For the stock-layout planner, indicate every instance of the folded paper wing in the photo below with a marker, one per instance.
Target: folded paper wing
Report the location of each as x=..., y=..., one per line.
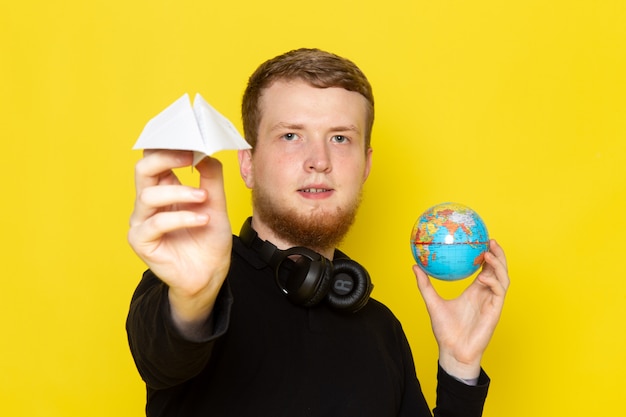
x=201, y=129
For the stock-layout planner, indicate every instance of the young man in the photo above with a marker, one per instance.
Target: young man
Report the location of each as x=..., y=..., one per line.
x=249, y=326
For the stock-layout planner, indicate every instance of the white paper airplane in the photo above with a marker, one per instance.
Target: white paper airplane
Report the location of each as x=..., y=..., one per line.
x=201, y=129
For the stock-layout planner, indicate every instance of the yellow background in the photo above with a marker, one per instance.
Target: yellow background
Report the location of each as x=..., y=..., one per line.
x=516, y=109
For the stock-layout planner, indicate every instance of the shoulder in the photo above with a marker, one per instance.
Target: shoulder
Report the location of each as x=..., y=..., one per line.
x=248, y=255
x=381, y=319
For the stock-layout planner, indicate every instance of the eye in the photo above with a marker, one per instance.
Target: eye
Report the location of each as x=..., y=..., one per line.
x=290, y=136
x=340, y=139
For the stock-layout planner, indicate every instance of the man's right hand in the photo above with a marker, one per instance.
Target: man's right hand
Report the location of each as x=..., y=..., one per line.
x=182, y=233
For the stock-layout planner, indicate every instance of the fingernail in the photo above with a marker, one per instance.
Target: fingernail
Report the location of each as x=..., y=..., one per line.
x=198, y=194
x=202, y=218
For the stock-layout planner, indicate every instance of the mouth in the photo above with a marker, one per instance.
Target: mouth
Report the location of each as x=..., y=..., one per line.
x=314, y=190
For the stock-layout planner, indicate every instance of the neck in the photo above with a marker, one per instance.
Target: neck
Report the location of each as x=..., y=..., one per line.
x=266, y=233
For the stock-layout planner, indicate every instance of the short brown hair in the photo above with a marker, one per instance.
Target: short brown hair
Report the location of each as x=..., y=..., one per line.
x=318, y=68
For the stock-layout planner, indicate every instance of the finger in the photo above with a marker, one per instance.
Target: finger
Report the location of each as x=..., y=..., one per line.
x=212, y=181
x=158, y=225
x=166, y=195
x=156, y=167
x=429, y=294
x=152, y=199
x=497, y=250
x=499, y=263
x=498, y=281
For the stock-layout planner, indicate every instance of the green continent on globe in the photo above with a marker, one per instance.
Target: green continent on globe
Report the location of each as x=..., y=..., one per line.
x=449, y=241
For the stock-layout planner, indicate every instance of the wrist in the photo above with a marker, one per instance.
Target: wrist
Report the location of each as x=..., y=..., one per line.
x=466, y=372
x=191, y=314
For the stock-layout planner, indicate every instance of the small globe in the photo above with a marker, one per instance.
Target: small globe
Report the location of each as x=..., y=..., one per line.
x=449, y=241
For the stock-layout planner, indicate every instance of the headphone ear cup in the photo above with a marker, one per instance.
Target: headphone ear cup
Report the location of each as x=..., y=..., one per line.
x=309, y=282
x=350, y=286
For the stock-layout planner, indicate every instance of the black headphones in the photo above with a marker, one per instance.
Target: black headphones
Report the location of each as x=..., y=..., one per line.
x=342, y=283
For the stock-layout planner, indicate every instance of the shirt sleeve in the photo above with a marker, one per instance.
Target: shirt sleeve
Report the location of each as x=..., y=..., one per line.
x=163, y=357
x=457, y=399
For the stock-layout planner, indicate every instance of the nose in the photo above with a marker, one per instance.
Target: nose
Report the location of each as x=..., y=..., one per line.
x=318, y=157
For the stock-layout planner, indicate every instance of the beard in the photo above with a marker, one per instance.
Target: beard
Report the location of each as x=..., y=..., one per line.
x=318, y=230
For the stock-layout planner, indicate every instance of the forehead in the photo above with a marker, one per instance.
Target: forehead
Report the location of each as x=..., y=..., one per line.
x=291, y=101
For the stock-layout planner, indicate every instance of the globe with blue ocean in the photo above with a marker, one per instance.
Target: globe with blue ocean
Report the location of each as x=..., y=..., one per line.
x=449, y=241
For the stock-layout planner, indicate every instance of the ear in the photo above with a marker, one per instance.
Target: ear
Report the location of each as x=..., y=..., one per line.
x=245, y=166
x=368, y=163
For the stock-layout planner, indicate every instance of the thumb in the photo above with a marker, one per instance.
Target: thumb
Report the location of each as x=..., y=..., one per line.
x=429, y=294
x=212, y=180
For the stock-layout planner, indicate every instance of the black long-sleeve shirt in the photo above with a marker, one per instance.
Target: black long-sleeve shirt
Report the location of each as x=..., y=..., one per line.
x=269, y=357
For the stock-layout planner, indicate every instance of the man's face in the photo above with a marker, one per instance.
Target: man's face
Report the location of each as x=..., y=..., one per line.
x=309, y=164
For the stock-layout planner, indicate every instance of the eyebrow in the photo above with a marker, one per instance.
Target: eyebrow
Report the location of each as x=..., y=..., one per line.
x=287, y=126
x=296, y=126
